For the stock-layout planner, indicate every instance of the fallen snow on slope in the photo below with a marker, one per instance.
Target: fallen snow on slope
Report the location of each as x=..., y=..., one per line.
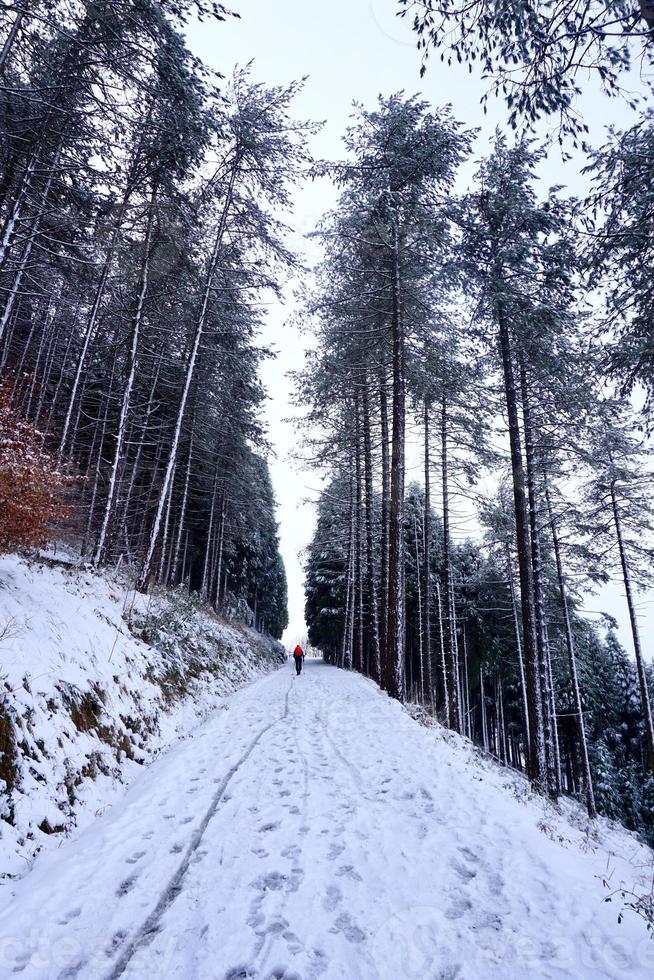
x=95, y=680
x=315, y=830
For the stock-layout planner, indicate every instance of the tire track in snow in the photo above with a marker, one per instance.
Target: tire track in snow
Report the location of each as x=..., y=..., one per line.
x=151, y=925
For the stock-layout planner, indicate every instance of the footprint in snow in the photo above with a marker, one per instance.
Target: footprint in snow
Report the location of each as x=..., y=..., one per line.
x=267, y=827
x=293, y=943
x=126, y=886
x=291, y=852
x=277, y=926
x=468, y=854
x=176, y=848
x=135, y=857
x=274, y=881
x=467, y=874
x=186, y=820
x=72, y=971
x=349, y=929
x=333, y=897
x=347, y=871
x=21, y=962
x=449, y=972
x=295, y=880
x=490, y=920
x=68, y=916
x=495, y=883
x=283, y=973
x=335, y=850
x=458, y=908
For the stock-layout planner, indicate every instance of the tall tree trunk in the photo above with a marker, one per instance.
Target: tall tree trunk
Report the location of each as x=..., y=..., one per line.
x=130, y=372
x=373, y=621
x=182, y=515
x=635, y=634
x=14, y=288
x=444, y=678
x=204, y=588
x=385, y=523
x=221, y=549
x=556, y=749
x=537, y=763
x=348, y=632
x=135, y=466
x=453, y=707
x=21, y=13
x=457, y=660
x=421, y=652
x=396, y=629
x=14, y=212
x=521, y=664
x=190, y=372
x=92, y=318
x=426, y=530
x=537, y=574
x=482, y=701
x=467, y=718
x=360, y=658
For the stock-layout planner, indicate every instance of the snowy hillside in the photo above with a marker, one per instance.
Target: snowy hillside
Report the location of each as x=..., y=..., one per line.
x=316, y=830
x=95, y=681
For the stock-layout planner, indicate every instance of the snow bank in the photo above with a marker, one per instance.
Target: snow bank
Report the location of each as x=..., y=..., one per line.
x=96, y=680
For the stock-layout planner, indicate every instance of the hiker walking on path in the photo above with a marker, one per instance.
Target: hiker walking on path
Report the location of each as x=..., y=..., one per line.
x=298, y=656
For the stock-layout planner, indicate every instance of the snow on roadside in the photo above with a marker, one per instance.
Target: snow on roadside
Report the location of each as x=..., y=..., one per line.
x=95, y=681
x=624, y=863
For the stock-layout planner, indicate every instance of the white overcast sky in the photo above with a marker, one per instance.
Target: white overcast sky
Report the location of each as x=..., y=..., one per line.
x=353, y=50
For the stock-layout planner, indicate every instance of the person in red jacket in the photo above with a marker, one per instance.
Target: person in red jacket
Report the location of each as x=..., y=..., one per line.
x=298, y=656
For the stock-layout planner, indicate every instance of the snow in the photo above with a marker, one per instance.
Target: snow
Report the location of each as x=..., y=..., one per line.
x=314, y=829
x=90, y=702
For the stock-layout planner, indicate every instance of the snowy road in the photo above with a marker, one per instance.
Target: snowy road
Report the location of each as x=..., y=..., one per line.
x=313, y=830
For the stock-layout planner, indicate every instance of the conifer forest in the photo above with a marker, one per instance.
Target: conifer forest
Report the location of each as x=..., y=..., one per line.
x=473, y=418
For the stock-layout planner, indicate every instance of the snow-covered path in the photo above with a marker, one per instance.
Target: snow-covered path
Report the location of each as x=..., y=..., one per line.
x=313, y=829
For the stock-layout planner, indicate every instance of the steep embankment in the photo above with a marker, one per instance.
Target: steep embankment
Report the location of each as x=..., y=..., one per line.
x=314, y=830
x=95, y=680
